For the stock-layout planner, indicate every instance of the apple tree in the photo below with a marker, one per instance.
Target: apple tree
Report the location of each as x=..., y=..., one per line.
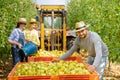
x=103, y=17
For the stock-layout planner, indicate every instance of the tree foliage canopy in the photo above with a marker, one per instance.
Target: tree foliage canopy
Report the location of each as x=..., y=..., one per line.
x=103, y=17
x=10, y=12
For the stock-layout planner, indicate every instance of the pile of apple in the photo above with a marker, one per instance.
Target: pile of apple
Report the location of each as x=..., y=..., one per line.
x=53, y=53
x=50, y=68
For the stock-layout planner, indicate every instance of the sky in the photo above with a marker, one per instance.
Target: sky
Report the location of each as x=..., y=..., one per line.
x=51, y=2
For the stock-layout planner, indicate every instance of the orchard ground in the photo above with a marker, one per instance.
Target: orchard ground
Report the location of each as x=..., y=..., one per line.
x=113, y=73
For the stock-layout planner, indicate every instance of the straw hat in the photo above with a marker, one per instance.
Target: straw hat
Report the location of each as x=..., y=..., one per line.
x=33, y=21
x=80, y=26
x=22, y=20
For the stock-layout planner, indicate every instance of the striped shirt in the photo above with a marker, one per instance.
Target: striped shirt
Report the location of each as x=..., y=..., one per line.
x=15, y=35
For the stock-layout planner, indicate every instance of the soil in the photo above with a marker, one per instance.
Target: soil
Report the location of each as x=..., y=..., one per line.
x=112, y=72
x=5, y=68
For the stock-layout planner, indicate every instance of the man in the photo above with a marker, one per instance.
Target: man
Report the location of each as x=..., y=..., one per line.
x=17, y=40
x=70, y=35
x=96, y=48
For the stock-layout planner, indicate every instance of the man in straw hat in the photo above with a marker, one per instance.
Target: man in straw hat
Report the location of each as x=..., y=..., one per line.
x=93, y=44
x=17, y=40
x=32, y=34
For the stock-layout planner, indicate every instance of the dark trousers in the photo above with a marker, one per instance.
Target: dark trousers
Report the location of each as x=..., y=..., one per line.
x=17, y=56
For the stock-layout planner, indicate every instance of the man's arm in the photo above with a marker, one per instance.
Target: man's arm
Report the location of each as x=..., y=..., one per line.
x=13, y=38
x=98, y=51
x=69, y=53
x=98, y=57
x=15, y=43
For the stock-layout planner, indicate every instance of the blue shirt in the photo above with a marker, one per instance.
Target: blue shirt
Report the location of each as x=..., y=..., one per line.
x=17, y=35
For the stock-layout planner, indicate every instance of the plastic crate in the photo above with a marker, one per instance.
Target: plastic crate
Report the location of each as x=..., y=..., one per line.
x=12, y=77
x=35, y=59
x=92, y=76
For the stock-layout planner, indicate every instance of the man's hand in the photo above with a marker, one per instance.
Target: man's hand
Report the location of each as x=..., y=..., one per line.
x=91, y=68
x=19, y=46
x=84, y=54
x=26, y=41
x=55, y=60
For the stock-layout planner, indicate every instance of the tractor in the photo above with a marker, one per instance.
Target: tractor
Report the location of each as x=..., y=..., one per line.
x=52, y=22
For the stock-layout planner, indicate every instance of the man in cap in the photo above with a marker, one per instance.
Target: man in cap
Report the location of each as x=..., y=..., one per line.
x=70, y=35
x=32, y=34
x=17, y=40
x=93, y=44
